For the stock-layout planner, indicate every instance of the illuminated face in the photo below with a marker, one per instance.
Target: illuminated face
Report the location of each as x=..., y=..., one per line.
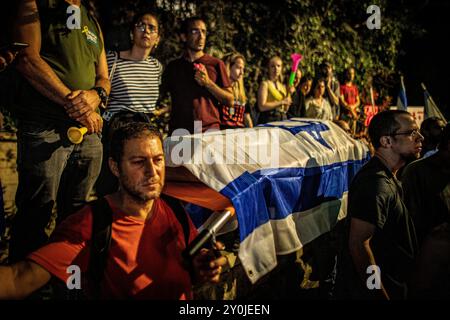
x=407, y=140
x=237, y=70
x=351, y=74
x=320, y=89
x=141, y=170
x=306, y=87
x=275, y=65
x=196, y=36
x=146, y=33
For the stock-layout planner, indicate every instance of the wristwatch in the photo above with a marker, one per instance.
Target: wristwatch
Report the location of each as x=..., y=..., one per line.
x=102, y=95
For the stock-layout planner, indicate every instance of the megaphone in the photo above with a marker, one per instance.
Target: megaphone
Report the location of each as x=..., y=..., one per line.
x=75, y=134
x=208, y=233
x=296, y=58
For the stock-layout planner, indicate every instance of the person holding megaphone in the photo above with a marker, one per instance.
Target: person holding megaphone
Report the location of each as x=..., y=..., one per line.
x=274, y=99
x=64, y=80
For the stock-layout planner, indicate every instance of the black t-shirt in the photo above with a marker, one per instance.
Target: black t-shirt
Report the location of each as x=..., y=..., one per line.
x=426, y=183
x=375, y=196
x=73, y=55
x=298, y=107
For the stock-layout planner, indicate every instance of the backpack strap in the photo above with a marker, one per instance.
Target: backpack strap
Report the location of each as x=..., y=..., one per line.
x=100, y=241
x=113, y=68
x=101, y=238
x=180, y=214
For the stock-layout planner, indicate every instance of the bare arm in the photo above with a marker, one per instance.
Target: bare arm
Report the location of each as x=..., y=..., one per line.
x=102, y=78
x=81, y=104
x=343, y=103
x=264, y=105
x=29, y=62
x=248, y=120
x=361, y=232
x=21, y=279
x=334, y=97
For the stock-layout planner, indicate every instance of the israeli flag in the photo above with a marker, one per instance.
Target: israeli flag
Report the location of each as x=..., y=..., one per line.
x=288, y=181
x=431, y=109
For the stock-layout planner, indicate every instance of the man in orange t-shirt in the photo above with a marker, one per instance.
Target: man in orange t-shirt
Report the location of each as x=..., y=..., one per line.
x=144, y=258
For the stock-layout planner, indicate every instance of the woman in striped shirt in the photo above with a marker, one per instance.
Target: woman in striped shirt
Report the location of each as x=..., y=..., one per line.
x=135, y=78
x=134, y=74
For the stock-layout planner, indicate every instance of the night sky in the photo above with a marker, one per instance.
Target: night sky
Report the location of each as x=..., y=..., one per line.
x=426, y=59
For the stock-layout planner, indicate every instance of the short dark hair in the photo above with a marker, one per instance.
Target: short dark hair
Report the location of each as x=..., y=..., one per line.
x=306, y=77
x=187, y=23
x=384, y=124
x=428, y=123
x=315, y=84
x=128, y=131
x=322, y=68
x=445, y=138
x=347, y=73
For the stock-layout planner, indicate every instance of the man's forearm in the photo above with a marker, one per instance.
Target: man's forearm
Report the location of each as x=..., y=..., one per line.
x=270, y=105
x=333, y=96
x=223, y=95
x=43, y=78
x=104, y=83
x=21, y=279
x=7, y=283
x=363, y=257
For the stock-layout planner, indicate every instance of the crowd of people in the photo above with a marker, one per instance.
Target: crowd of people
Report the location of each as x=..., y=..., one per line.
x=68, y=79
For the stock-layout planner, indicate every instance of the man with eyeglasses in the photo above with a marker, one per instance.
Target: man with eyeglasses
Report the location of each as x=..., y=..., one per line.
x=381, y=237
x=197, y=82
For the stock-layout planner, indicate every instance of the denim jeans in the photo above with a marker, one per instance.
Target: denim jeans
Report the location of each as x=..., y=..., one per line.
x=52, y=171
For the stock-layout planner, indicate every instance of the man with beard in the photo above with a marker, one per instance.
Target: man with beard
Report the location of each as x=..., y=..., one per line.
x=144, y=259
x=381, y=240
x=197, y=82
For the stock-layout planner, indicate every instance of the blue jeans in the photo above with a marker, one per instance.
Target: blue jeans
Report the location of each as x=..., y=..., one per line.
x=51, y=171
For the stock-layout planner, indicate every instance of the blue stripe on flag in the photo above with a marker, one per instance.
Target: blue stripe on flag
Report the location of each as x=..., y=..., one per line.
x=258, y=197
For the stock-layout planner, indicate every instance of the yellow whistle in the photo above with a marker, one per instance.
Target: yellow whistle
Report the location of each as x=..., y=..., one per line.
x=75, y=134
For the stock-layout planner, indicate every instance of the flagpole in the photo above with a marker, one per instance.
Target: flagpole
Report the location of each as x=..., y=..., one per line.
x=428, y=96
x=372, y=100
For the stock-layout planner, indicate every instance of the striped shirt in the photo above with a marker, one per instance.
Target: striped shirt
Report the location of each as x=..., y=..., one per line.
x=134, y=85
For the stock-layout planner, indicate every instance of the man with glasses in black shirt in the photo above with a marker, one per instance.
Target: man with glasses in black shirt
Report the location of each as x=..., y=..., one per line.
x=381, y=240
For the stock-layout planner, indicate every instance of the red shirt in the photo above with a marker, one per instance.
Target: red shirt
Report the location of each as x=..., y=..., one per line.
x=233, y=117
x=144, y=257
x=190, y=101
x=350, y=93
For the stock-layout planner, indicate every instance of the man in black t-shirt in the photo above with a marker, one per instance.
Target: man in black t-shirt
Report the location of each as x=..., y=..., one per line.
x=382, y=240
